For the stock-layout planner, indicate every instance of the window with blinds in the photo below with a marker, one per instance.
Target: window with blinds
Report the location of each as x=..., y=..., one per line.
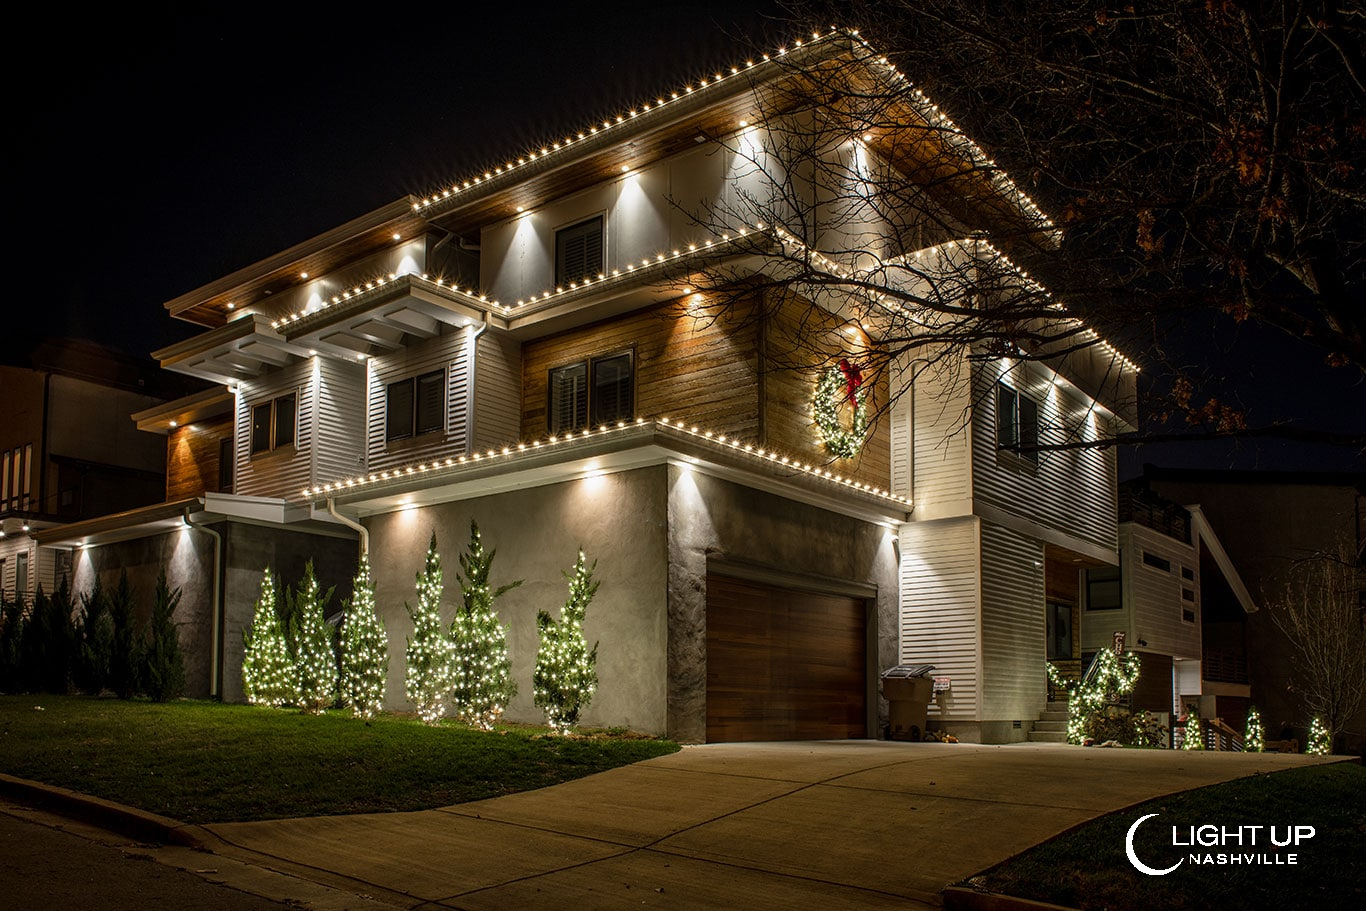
x=578, y=251
x=597, y=391
x=415, y=406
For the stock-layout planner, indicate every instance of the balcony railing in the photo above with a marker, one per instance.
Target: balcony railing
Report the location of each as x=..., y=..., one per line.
x=1224, y=665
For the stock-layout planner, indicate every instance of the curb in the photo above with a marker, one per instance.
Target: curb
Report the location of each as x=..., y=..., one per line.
x=966, y=898
x=130, y=821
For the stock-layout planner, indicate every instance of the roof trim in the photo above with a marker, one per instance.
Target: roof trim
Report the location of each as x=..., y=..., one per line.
x=1206, y=534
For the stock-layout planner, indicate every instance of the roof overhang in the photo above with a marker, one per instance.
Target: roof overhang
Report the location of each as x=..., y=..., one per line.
x=609, y=449
x=1205, y=533
x=201, y=406
x=244, y=349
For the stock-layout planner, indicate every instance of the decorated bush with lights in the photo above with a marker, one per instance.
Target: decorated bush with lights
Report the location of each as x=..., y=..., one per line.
x=429, y=650
x=364, y=649
x=1093, y=709
x=1320, y=739
x=566, y=673
x=315, y=661
x=1195, y=738
x=268, y=674
x=1254, y=739
x=480, y=667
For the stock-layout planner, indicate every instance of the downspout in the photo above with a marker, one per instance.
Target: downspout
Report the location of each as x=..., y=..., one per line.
x=469, y=383
x=350, y=523
x=217, y=604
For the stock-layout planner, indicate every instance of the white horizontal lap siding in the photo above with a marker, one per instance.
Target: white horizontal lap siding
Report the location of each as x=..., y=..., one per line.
x=1013, y=635
x=449, y=353
x=940, y=462
x=497, y=406
x=288, y=470
x=901, y=418
x=1156, y=604
x=340, y=452
x=1070, y=490
x=940, y=600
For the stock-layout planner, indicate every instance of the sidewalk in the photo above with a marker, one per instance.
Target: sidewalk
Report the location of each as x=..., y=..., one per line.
x=855, y=824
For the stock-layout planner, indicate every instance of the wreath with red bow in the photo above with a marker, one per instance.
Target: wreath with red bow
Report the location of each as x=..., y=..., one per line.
x=838, y=386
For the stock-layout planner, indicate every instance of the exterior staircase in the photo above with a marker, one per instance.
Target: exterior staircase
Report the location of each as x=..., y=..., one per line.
x=1052, y=724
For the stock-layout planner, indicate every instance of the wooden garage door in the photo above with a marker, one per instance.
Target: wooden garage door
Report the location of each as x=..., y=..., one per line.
x=784, y=664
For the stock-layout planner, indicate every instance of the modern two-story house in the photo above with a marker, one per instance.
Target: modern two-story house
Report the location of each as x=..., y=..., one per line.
x=600, y=346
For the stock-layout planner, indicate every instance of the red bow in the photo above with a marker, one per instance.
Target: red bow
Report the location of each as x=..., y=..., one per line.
x=852, y=379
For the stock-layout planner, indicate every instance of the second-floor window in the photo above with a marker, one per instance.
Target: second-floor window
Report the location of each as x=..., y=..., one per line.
x=1017, y=422
x=16, y=478
x=578, y=252
x=600, y=390
x=415, y=406
x=273, y=423
x=1103, y=589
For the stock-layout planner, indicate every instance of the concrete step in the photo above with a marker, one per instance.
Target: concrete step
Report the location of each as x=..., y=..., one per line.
x=1037, y=736
x=1053, y=716
x=1051, y=727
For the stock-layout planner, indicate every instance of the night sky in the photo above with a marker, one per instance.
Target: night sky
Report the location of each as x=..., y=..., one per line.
x=154, y=149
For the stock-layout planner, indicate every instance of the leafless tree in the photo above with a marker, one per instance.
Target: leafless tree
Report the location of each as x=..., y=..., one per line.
x=1322, y=613
x=1202, y=163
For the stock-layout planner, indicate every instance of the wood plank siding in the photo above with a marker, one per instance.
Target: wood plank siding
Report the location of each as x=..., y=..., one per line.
x=940, y=608
x=192, y=457
x=448, y=353
x=784, y=664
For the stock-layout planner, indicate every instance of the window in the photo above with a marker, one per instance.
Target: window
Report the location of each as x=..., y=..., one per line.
x=578, y=251
x=1188, y=574
x=1059, y=630
x=1157, y=562
x=1188, y=616
x=1017, y=422
x=21, y=575
x=1103, y=590
x=1188, y=595
x=16, y=478
x=225, y=466
x=415, y=406
x=272, y=423
x=592, y=392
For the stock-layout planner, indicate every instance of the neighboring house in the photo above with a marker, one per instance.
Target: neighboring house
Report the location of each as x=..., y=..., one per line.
x=67, y=452
x=1269, y=520
x=1182, y=606
x=530, y=350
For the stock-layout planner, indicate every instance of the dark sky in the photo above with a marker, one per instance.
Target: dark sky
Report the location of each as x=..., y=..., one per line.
x=155, y=148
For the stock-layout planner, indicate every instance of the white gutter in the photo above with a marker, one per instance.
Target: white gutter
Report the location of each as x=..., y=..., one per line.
x=216, y=607
x=350, y=523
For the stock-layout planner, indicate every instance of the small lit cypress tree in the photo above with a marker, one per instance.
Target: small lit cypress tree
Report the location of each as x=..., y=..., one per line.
x=268, y=674
x=365, y=649
x=1254, y=740
x=314, y=658
x=1320, y=740
x=1195, y=737
x=163, y=665
x=429, y=651
x=566, y=674
x=480, y=667
x=123, y=650
x=96, y=635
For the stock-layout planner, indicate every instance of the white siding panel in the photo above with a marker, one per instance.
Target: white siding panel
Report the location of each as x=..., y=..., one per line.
x=902, y=418
x=284, y=472
x=1155, y=594
x=941, y=461
x=448, y=352
x=340, y=450
x=1013, y=634
x=497, y=390
x=940, y=600
x=1069, y=491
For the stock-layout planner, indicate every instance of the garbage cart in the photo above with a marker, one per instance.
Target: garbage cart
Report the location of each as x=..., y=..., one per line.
x=908, y=690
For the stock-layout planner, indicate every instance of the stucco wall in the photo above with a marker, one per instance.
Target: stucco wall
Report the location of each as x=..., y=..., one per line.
x=618, y=519
x=714, y=520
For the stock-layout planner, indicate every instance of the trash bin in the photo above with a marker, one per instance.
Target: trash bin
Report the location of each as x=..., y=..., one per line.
x=907, y=690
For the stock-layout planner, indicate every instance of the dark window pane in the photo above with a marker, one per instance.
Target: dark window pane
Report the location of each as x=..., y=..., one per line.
x=612, y=384
x=398, y=421
x=260, y=427
x=578, y=251
x=431, y=402
x=1059, y=630
x=1007, y=430
x=1029, y=428
x=284, y=420
x=1157, y=562
x=1103, y=590
x=567, y=408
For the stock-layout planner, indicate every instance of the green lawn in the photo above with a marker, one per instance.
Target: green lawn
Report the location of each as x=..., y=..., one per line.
x=206, y=762
x=1087, y=868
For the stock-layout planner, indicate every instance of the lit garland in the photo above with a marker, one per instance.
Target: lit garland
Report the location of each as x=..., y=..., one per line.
x=481, y=669
x=316, y=663
x=1254, y=739
x=1196, y=740
x=268, y=674
x=1112, y=676
x=566, y=673
x=429, y=651
x=365, y=649
x=832, y=391
x=1320, y=741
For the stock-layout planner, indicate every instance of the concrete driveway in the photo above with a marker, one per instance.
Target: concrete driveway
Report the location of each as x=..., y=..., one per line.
x=852, y=824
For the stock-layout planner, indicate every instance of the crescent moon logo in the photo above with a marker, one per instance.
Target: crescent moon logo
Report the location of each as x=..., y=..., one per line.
x=1139, y=865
